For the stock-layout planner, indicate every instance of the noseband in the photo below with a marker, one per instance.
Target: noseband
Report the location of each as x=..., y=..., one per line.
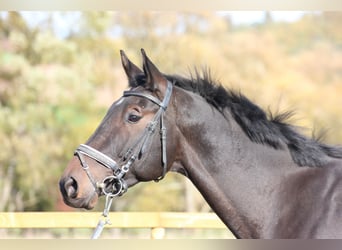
x=115, y=185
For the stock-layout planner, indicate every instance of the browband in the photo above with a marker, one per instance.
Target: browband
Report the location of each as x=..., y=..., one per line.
x=163, y=104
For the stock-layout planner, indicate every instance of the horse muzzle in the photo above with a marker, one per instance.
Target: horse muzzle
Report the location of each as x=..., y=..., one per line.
x=73, y=197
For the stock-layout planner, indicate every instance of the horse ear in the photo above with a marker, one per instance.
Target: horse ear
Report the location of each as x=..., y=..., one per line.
x=155, y=80
x=132, y=71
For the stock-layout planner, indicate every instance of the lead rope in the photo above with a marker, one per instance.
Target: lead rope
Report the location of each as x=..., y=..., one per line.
x=104, y=219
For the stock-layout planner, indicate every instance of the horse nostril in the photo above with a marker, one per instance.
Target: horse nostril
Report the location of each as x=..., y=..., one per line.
x=71, y=187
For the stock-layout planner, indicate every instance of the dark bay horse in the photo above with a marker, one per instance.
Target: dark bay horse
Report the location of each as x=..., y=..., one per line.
x=257, y=172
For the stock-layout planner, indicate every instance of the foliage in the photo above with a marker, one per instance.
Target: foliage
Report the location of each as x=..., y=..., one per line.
x=54, y=91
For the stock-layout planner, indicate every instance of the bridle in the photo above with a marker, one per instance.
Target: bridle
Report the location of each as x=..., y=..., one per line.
x=115, y=184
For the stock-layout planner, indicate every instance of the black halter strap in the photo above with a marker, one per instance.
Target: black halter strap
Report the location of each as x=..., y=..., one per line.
x=119, y=186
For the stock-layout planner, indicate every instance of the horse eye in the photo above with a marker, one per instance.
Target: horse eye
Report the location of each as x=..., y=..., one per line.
x=133, y=118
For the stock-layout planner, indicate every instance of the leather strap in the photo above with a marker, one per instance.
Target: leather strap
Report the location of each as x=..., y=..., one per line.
x=98, y=156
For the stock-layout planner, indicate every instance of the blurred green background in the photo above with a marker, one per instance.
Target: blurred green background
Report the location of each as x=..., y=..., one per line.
x=60, y=71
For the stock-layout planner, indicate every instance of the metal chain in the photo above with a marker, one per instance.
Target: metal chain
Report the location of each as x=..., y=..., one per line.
x=104, y=219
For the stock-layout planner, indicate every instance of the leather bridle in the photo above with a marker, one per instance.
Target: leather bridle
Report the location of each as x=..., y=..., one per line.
x=115, y=184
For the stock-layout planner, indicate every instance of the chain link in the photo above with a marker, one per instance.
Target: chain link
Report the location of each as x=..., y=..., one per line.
x=104, y=219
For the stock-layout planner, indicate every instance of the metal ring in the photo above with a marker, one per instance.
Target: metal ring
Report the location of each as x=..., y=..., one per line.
x=116, y=182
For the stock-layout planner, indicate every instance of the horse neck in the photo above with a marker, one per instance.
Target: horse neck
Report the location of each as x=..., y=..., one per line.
x=230, y=171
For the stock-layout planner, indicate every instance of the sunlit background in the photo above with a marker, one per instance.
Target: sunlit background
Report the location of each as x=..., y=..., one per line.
x=60, y=71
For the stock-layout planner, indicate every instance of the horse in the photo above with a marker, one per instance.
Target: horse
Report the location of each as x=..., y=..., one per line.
x=258, y=173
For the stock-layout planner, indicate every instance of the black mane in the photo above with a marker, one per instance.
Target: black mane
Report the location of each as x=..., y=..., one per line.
x=260, y=127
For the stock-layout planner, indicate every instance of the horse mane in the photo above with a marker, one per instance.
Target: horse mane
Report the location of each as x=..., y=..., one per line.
x=264, y=128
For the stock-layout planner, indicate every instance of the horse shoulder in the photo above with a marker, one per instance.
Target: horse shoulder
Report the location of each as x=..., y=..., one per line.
x=309, y=204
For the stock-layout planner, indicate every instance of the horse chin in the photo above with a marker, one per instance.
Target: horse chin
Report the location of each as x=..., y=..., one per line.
x=82, y=202
x=92, y=202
